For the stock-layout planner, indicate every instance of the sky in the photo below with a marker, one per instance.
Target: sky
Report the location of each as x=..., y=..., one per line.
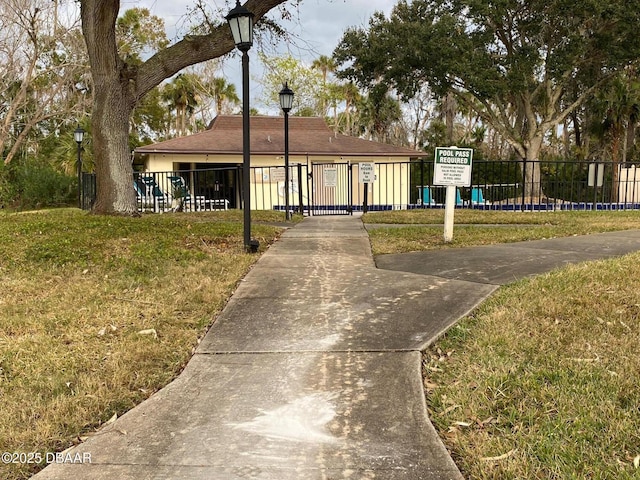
x=316, y=27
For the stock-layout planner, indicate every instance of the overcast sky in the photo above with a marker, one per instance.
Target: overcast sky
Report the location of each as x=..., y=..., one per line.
x=317, y=28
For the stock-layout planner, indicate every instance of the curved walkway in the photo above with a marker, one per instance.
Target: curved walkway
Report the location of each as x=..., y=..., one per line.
x=313, y=370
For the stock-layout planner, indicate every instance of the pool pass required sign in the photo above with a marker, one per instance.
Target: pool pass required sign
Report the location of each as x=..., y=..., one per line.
x=453, y=166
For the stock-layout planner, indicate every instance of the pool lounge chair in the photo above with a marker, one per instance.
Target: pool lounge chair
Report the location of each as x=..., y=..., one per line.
x=477, y=197
x=425, y=196
x=149, y=194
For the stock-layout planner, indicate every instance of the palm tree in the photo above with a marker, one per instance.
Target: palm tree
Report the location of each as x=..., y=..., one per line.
x=223, y=94
x=325, y=65
x=351, y=96
x=618, y=108
x=181, y=94
x=378, y=114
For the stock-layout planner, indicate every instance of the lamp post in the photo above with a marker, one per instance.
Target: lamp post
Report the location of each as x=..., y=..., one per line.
x=241, y=23
x=286, y=102
x=78, y=135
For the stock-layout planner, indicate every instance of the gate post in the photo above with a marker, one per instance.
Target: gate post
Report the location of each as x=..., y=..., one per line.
x=300, y=205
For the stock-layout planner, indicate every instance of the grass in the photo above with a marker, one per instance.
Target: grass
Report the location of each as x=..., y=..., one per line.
x=97, y=313
x=423, y=229
x=541, y=381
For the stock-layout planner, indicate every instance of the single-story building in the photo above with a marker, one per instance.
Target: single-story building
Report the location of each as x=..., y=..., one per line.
x=321, y=161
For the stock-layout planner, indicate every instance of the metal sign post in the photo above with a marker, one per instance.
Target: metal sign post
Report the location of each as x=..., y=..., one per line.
x=366, y=175
x=452, y=168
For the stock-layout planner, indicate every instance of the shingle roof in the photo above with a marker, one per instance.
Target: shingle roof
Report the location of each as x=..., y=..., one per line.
x=307, y=135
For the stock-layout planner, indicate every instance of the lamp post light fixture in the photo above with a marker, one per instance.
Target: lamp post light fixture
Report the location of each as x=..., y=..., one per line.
x=241, y=23
x=286, y=102
x=78, y=136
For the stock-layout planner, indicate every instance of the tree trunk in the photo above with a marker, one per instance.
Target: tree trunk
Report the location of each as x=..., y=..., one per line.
x=618, y=133
x=114, y=173
x=112, y=107
x=532, y=173
x=450, y=109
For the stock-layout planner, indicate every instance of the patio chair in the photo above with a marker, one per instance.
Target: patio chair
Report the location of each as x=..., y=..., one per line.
x=181, y=198
x=477, y=197
x=425, y=197
x=149, y=194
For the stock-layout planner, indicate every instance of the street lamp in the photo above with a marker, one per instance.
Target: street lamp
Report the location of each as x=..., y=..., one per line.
x=241, y=23
x=286, y=102
x=78, y=135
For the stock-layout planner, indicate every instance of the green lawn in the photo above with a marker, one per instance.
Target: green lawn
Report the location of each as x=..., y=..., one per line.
x=97, y=313
x=423, y=229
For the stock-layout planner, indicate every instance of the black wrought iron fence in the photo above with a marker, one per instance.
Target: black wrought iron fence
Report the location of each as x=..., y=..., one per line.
x=548, y=185
x=497, y=185
x=191, y=190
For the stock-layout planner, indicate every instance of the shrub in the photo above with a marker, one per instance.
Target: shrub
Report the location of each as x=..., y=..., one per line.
x=32, y=183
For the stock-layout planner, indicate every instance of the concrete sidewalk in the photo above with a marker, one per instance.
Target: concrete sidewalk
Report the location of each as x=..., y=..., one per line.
x=313, y=370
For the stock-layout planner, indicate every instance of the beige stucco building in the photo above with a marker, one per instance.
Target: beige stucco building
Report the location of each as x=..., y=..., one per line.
x=316, y=154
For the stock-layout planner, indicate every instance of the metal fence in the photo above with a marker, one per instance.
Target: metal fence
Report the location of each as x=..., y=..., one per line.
x=325, y=188
x=549, y=185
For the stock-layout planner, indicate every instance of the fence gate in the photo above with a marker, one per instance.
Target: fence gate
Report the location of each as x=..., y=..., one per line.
x=331, y=189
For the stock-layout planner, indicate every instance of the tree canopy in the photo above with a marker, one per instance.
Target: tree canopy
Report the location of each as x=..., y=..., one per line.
x=523, y=66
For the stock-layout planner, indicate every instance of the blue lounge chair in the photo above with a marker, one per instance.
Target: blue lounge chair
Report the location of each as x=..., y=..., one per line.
x=426, y=197
x=477, y=197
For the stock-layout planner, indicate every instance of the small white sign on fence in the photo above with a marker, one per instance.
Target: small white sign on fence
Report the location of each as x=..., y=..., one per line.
x=366, y=172
x=277, y=174
x=330, y=176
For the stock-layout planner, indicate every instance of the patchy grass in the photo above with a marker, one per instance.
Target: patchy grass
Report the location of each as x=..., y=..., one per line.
x=542, y=380
x=97, y=313
x=473, y=227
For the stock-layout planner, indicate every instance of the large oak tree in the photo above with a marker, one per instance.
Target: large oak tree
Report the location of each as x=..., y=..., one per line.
x=119, y=85
x=522, y=65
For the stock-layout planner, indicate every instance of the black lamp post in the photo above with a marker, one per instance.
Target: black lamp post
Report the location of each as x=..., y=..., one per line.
x=241, y=23
x=286, y=102
x=78, y=135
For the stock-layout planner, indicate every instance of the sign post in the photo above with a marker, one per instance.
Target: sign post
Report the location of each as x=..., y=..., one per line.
x=366, y=175
x=452, y=168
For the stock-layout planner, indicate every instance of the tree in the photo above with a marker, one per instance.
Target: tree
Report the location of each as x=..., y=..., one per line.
x=137, y=32
x=305, y=81
x=223, y=94
x=418, y=112
x=325, y=65
x=513, y=61
x=43, y=63
x=120, y=84
x=181, y=94
x=617, y=106
x=351, y=96
x=379, y=113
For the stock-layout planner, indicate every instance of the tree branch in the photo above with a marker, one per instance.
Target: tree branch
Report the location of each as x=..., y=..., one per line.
x=191, y=50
